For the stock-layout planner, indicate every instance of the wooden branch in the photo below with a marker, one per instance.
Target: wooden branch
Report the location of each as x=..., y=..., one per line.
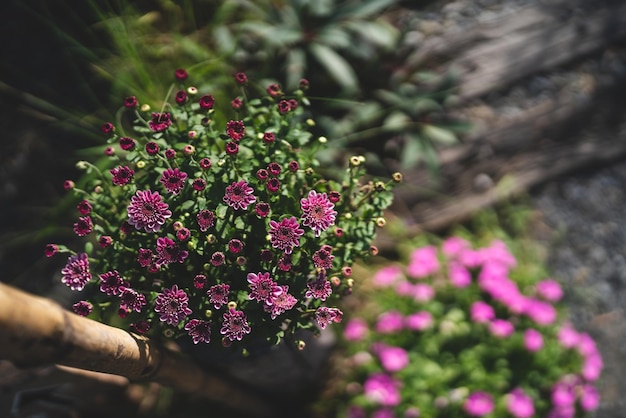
x=35, y=331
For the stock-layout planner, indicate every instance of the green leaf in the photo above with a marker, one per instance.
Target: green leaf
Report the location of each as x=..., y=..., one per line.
x=412, y=153
x=439, y=135
x=396, y=121
x=338, y=68
x=366, y=9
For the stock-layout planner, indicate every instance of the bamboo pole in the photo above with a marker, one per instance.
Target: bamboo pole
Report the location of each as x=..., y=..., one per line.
x=35, y=331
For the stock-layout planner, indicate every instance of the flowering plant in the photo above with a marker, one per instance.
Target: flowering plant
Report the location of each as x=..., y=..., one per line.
x=458, y=333
x=213, y=219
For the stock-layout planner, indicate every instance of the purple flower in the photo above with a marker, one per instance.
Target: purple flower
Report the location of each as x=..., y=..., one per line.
x=232, y=148
x=181, y=97
x=152, y=148
x=168, y=252
x=173, y=180
x=549, y=290
x=273, y=185
x=181, y=74
x=387, y=276
x=51, y=249
x=519, y=404
x=501, y=328
x=111, y=283
x=239, y=195
x=82, y=308
x=160, y=122
x=323, y=259
x=145, y=257
x=76, y=272
x=217, y=258
x=478, y=404
x=234, y=325
x=199, y=184
x=199, y=331
x=218, y=295
x=533, y=340
x=131, y=300
x=147, y=211
x=286, y=234
x=423, y=262
x=241, y=78
x=317, y=212
x=205, y=163
x=83, y=226
x=389, y=322
x=206, y=102
x=318, y=288
x=262, y=288
x=325, y=316
x=419, y=321
x=382, y=389
x=262, y=209
x=127, y=144
x=482, y=312
x=281, y=303
x=183, y=234
x=269, y=137
x=235, y=130
x=564, y=392
x=235, y=246
x=130, y=102
x=172, y=305
x=393, y=359
x=355, y=330
x=205, y=219
x=84, y=207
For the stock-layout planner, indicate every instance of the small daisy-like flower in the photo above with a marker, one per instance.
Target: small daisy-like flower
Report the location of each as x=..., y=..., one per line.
x=285, y=235
x=82, y=308
x=183, y=234
x=181, y=97
x=284, y=262
x=205, y=219
x=317, y=212
x=269, y=137
x=168, y=252
x=217, y=258
x=218, y=295
x=172, y=305
x=239, y=195
x=107, y=127
x=205, y=163
x=145, y=257
x=281, y=303
x=303, y=84
x=283, y=106
x=199, y=331
x=262, y=209
x=235, y=129
x=293, y=166
x=262, y=174
x=273, y=185
x=189, y=149
x=131, y=300
x=84, y=207
x=199, y=184
x=126, y=228
x=147, y=211
x=323, y=259
x=83, y=226
x=241, y=78
x=262, y=288
x=141, y=327
x=293, y=104
x=319, y=288
x=236, y=103
x=234, y=325
x=152, y=148
x=173, y=180
x=326, y=316
x=127, y=144
x=181, y=74
x=160, y=122
x=110, y=151
x=274, y=169
x=235, y=246
x=232, y=148
x=68, y=185
x=274, y=90
x=170, y=154
x=51, y=249
x=266, y=255
x=130, y=102
x=199, y=281
x=122, y=175
x=334, y=196
x=206, y=102
x=111, y=283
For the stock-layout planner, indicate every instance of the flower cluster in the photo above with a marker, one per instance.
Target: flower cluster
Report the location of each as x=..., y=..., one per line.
x=459, y=334
x=212, y=220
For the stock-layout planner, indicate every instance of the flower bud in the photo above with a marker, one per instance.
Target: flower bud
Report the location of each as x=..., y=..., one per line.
x=397, y=177
x=380, y=222
x=140, y=164
x=355, y=161
x=322, y=139
x=211, y=239
x=82, y=165
x=310, y=122
x=232, y=305
x=301, y=345
x=145, y=107
x=192, y=90
x=373, y=250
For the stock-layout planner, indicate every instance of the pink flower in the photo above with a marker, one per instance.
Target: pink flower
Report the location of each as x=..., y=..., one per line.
x=206, y=102
x=382, y=389
x=168, y=251
x=82, y=308
x=389, y=322
x=482, y=312
x=501, y=328
x=76, y=272
x=478, y=404
x=323, y=259
x=568, y=337
x=533, y=340
x=563, y=392
x=235, y=130
x=262, y=288
x=239, y=195
x=423, y=262
x=173, y=180
x=317, y=212
x=281, y=303
x=160, y=122
x=355, y=330
x=549, y=290
x=325, y=316
x=453, y=246
x=419, y=321
x=205, y=219
x=393, y=359
x=172, y=305
x=589, y=398
x=147, y=211
x=404, y=288
x=218, y=295
x=319, y=288
x=541, y=312
x=132, y=300
x=83, y=226
x=285, y=235
x=111, y=282
x=459, y=276
x=519, y=404
x=199, y=331
x=234, y=325
x=387, y=276
x=499, y=253
x=423, y=292
x=592, y=367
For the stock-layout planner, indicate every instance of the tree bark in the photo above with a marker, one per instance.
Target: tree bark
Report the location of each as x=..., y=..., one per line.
x=35, y=331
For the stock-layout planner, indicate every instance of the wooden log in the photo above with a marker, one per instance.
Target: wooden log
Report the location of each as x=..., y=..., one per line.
x=35, y=331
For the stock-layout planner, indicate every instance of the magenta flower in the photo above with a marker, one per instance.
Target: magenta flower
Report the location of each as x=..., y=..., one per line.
x=564, y=392
x=533, y=340
x=387, y=276
x=393, y=359
x=180, y=74
x=152, y=148
x=51, y=249
x=205, y=163
x=423, y=262
x=478, y=404
x=549, y=290
x=147, y=211
x=199, y=331
x=168, y=251
x=592, y=367
x=482, y=312
x=160, y=122
x=232, y=148
x=199, y=281
x=217, y=258
x=76, y=272
x=326, y=316
x=205, y=219
x=235, y=246
x=355, y=330
x=83, y=226
x=172, y=305
x=274, y=168
x=382, y=389
x=389, y=322
x=519, y=404
x=423, y=292
x=127, y=144
x=111, y=282
x=459, y=275
x=239, y=195
x=262, y=209
x=130, y=102
x=131, y=300
x=318, y=288
x=273, y=185
x=501, y=328
x=281, y=303
x=173, y=180
x=541, y=312
x=218, y=295
x=317, y=212
x=568, y=337
x=419, y=321
x=235, y=130
x=206, y=102
x=286, y=234
x=82, y=308
x=84, y=207
x=105, y=241
x=269, y=137
x=589, y=398
x=323, y=259
x=453, y=246
x=234, y=325
x=145, y=257
x=262, y=288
